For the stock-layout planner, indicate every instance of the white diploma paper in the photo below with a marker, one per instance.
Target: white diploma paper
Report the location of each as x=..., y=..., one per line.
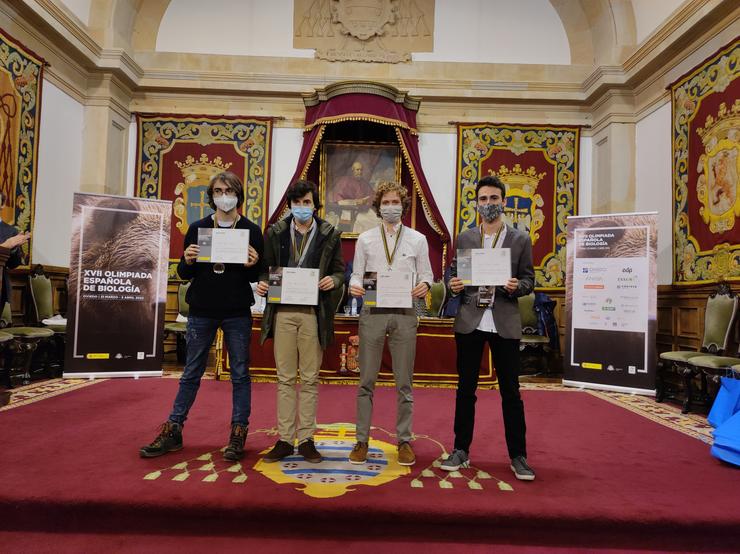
x=230, y=246
x=300, y=286
x=394, y=289
x=490, y=266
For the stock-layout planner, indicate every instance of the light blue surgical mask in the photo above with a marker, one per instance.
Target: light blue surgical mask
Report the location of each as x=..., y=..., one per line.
x=302, y=213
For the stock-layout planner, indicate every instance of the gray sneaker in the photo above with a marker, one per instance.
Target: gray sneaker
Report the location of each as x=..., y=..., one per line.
x=521, y=469
x=455, y=461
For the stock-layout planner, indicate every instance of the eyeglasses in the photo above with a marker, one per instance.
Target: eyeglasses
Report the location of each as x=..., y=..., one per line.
x=226, y=192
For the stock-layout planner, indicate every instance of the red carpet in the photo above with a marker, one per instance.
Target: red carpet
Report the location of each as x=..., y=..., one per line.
x=606, y=477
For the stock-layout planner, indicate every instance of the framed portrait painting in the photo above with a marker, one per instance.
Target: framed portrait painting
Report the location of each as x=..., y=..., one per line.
x=350, y=173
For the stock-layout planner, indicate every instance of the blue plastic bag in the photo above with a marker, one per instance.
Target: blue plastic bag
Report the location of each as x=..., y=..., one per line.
x=727, y=402
x=726, y=445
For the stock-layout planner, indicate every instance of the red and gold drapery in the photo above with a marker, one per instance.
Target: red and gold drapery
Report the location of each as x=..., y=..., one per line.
x=21, y=79
x=539, y=166
x=178, y=154
x=378, y=110
x=706, y=170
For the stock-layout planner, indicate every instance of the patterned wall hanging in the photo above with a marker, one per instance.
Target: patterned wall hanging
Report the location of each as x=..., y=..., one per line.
x=706, y=170
x=539, y=166
x=178, y=154
x=21, y=78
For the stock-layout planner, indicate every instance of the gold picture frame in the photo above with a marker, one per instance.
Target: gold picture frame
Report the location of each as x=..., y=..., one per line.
x=350, y=172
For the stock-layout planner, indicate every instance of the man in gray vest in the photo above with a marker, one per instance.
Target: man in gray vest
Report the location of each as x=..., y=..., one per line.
x=492, y=317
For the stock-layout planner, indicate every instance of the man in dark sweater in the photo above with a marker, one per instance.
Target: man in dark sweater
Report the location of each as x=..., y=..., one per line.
x=10, y=238
x=220, y=295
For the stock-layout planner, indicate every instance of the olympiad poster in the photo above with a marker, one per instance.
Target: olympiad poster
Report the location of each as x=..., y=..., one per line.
x=117, y=286
x=611, y=302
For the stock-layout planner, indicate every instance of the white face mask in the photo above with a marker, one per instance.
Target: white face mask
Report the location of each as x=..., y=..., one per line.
x=392, y=213
x=225, y=203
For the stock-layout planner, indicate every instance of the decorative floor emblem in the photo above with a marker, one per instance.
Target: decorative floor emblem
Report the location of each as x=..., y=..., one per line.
x=335, y=475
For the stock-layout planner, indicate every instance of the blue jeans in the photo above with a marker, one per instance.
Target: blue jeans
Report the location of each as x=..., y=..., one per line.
x=199, y=336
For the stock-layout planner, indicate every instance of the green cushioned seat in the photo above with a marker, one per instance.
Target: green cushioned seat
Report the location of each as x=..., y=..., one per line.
x=681, y=355
x=56, y=328
x=5, y=337
x=176, y=327
x=29, y=332
x=714, y=362
x=526, y=311
x=535, y=339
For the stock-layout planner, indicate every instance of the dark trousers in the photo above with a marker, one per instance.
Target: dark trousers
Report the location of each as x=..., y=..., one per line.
x=505, y=354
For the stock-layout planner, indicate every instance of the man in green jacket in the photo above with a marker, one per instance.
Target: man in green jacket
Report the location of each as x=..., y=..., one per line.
x=301, y=332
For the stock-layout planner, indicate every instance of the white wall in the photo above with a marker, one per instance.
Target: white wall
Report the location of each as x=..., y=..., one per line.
x=585, y=176
x=81, y=8
x=246, y=28
x=438, y=153
x=131, y=161
x=286, y=147
x=60, y=161
x=653, y=181
x=478, y=31
x=497, y=31
x=650, y=14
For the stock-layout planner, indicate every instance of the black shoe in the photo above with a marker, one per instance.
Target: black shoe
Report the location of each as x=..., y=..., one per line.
x=169, y=439
x=281, y=450
x=521, y=469
x=307, y=449
x=234, y=451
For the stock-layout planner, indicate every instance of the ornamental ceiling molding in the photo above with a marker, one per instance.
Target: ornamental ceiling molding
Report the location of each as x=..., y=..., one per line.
x=362, y=87
x=384, y=31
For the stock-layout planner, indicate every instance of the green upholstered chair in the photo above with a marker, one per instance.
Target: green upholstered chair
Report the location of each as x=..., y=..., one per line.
x=437, y=298
x=719, y=315
x=715, y=367
x=42, y=296
x=6, y=340
x=24, y=344
x=533, y=345
x=178, y=328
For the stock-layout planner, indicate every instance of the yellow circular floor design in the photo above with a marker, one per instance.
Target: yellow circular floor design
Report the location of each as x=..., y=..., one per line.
x=335, y=475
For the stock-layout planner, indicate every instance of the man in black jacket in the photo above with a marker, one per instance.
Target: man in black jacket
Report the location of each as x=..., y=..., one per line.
x=301, y=332
x=220, y=295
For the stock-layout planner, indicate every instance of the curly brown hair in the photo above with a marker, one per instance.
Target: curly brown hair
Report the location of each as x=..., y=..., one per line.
x=384, y=187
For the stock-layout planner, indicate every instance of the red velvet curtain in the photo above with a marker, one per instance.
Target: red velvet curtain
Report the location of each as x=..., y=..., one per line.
x=357, y=117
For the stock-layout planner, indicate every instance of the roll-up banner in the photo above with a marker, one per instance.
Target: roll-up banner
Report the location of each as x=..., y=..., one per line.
x=611, y=302
x=117, y=286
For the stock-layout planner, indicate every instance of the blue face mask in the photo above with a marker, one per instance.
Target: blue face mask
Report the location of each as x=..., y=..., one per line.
x=302, y=213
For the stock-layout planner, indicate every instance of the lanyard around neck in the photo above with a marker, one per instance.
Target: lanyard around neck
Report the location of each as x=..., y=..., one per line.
x=299, y=252
x=389, y=256
x=495, y=239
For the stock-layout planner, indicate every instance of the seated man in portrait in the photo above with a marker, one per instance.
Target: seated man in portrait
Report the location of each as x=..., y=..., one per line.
x=349, y=202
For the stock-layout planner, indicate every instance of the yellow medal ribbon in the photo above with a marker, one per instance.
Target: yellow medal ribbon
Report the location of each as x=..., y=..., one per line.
x=388, y=255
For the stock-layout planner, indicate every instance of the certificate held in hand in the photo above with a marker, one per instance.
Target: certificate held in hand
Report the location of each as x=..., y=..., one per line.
x=293, y=285
x=225, y=246
x=484, y=266
x=388, y=289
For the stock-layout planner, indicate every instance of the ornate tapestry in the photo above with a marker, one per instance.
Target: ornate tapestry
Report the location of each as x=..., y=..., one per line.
x=706, y=170
x=21, y=77
x=539, y=166
x=178, y=154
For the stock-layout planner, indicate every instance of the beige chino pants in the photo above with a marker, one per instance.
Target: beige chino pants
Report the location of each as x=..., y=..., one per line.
x=297, y=347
